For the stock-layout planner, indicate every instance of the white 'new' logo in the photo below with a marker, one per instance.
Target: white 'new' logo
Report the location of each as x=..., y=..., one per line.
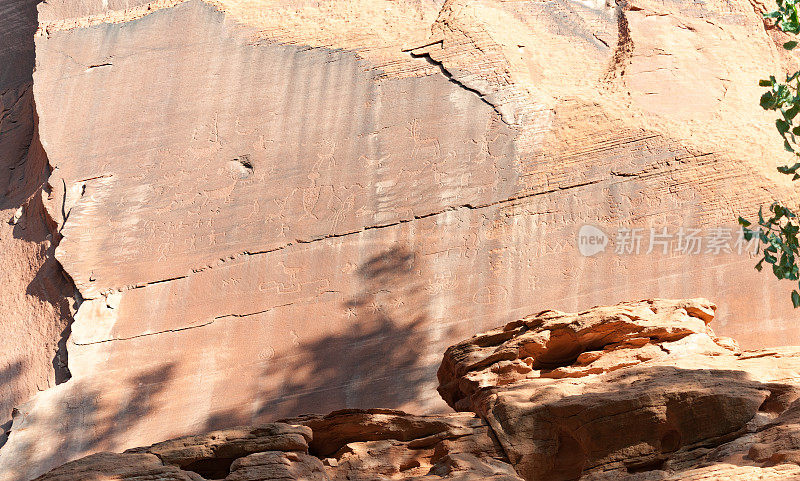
x=591, y=240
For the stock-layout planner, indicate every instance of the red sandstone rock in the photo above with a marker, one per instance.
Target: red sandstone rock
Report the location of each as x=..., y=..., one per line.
x=339, y=428
x=361, y=445
x=104, y=466
x=270, y=207
x=668, y=401
x=35, y=309
x=229, y=445
x=277, y=465
x=641, y=387
x=347, y=445
x=554, y=344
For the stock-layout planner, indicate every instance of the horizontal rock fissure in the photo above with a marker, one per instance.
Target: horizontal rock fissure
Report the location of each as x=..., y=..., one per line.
x=184, y=328
x=360, y=231
x=146, y=334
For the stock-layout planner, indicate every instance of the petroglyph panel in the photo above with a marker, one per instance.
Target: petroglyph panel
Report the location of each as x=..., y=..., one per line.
x=279, y=153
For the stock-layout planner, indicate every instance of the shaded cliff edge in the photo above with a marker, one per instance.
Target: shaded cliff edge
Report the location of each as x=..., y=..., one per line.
x=37, y=297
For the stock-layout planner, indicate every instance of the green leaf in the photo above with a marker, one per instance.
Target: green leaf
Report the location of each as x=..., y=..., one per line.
x=765, y=83
x=782, y=125
x=790, y=45
x=792, y=25
x=785, y=169
x=795, y=299
x=767, y=101
x=744, y=222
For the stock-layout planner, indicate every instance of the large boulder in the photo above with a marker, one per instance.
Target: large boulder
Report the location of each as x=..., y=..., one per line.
x=640, y=388
x=354, y=445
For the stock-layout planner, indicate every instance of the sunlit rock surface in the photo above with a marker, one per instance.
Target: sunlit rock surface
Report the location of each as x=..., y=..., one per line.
x=274, y=207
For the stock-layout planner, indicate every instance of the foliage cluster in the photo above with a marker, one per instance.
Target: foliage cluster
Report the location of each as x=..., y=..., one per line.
x=777, y=231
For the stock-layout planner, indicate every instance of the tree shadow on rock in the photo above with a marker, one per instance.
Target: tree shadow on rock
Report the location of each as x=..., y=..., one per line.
x=82, y=417
x=379, y=361
x=8, y=375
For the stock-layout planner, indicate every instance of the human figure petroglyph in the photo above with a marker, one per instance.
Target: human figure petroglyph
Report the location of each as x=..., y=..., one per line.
x=422, y=143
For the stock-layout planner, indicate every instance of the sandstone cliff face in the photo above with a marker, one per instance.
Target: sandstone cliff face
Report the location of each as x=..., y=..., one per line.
x=641, y=391
x=270, y=207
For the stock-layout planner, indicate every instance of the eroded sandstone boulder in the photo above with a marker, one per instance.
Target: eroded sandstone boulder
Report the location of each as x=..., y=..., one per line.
x=210, y=454
x=358, y=445
x=381, y=442
x=641, y=390
x=102, y=466
x=553, y=344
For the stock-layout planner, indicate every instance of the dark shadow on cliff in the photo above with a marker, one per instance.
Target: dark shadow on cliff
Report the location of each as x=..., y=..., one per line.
x=19, y=177
x=8, y=375
x=24, y=170
x=377, y=362
x=92, y=417
x=18, y=23
x=21, y=174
